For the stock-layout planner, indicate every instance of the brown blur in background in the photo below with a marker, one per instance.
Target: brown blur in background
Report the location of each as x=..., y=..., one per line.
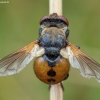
x=19, y=24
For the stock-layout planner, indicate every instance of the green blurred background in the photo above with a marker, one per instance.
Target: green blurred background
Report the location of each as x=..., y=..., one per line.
x=19, y=23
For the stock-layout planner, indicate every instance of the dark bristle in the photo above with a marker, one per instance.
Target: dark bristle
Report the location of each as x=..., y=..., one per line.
x=51, y=80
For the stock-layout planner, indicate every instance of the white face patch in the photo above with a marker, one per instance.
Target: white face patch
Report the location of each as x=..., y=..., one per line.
x=43, y=26
x=64, y=29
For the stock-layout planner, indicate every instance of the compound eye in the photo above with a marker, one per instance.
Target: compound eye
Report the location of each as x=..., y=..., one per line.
x=64, y=20
x=54, y=17
x=44, y=18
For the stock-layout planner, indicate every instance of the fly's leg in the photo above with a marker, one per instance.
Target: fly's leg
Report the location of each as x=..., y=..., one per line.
x=78, y=47
x=66, y=77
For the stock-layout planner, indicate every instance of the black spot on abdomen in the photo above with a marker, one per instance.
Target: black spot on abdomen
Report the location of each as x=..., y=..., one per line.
x=51, y=73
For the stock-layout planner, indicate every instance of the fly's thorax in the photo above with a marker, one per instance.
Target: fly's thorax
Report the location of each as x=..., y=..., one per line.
x=52, y=37
x=52, y=40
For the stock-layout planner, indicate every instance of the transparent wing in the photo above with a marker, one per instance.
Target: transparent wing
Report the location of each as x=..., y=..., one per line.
x=86, y=65
x=16, y=61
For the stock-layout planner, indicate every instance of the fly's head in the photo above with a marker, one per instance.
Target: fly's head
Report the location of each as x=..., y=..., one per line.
x=54, y=20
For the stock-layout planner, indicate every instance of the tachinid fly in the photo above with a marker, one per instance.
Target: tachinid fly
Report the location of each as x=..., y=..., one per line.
x=53, y=54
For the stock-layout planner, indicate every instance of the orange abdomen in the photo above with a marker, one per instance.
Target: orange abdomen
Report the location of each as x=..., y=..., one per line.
x=51, y=75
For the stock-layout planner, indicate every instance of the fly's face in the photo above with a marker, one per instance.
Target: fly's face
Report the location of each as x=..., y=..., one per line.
x=53, y=34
